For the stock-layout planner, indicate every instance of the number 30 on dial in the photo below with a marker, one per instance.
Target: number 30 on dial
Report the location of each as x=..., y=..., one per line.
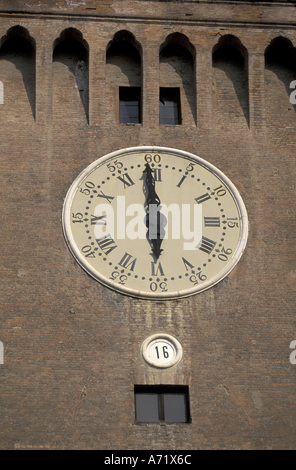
x=155, y=222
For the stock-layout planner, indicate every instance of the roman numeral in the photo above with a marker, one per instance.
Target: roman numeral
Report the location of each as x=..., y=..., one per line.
x=202, y=198
x=212, y=221
x=126, y=180
x=106, y=243
x=181, y=181
x=109, y=198
x=156, y=269
x=206, y=245
x=101, y=220
x=128, y=261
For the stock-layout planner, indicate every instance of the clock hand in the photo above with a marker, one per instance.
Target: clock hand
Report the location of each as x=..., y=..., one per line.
x=152, y=196
x=154, y=220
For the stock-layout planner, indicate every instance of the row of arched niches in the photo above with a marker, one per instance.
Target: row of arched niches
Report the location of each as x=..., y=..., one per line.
x=124, y=67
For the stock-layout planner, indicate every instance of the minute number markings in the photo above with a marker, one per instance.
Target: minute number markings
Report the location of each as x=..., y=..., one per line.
x=195, y=275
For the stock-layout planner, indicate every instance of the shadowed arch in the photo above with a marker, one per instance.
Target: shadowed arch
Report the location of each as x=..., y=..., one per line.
x=280, y=58
x=180, y=41
x=231, y=58
x=71, y=50
x=18, y=47
x=177, y=58
x=280, y=74
x=125, y=53
x=124, y=78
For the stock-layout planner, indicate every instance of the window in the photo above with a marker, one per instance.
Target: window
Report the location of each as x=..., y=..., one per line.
x=162, y=404
x=129, y=105
x=169, y=106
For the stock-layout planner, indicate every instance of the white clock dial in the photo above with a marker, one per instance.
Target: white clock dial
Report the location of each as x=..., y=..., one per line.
x=161, y=350
x=155, y=222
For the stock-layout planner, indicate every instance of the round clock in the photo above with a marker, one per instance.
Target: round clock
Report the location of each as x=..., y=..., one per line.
x=155, y=222
x=161, y=350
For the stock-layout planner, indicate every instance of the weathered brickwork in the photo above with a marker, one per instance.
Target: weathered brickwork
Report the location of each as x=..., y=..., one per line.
x=72, y=346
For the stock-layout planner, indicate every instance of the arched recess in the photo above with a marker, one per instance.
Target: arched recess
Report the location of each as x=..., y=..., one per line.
x=17, y=73
x=124, y=79
x=230, y=82
x=71, y=77
x=177, y=78
x=280, y=72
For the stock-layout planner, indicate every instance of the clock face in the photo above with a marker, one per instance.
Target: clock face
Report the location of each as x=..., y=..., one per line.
x=155, y=222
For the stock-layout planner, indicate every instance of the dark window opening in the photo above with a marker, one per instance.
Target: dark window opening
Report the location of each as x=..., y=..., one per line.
x=130, y=105
x=162, y=404
x=170, y=106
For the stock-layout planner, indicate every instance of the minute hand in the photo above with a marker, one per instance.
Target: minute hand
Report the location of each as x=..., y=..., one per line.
x=153, y=219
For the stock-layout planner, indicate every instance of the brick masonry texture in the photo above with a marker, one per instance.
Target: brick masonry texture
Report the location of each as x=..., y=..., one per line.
x=72, y=346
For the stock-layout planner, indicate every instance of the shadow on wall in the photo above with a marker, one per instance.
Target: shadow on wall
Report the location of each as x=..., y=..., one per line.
x=72, y=51
x=18, y=48
x=280, y=61
x=231, y=58
x=124, y=56
x=177, y=69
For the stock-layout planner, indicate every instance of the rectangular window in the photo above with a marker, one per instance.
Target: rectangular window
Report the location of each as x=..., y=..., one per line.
x=170, y=106
x=130, y=105
x=162, y=404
